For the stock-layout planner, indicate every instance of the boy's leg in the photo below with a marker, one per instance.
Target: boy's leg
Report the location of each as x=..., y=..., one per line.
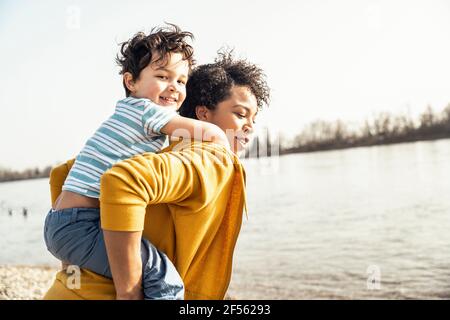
x=74, y=236
x=160, y=279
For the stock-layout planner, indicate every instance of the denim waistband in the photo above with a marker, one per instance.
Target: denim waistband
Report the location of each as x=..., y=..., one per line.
x=78, y=213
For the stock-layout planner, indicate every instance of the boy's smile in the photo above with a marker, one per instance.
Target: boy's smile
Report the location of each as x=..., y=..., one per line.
x=164, y=84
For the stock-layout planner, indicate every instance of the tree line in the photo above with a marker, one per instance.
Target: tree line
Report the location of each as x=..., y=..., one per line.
x=382, y=128
x=34, y=173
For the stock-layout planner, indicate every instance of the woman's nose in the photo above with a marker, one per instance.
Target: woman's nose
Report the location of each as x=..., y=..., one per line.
x=248, y=127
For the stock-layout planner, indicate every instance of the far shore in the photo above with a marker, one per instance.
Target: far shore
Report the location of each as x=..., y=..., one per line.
x=311, y=148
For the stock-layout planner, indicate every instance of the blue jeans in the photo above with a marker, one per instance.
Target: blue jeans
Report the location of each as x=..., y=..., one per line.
x=74, y=236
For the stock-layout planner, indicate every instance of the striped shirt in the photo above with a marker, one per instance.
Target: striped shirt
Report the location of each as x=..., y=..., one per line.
x=134, y=128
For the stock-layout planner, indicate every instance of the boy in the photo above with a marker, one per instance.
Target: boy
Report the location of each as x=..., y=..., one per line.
x=155, y=70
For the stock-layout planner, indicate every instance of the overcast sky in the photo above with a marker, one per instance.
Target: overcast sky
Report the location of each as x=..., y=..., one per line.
x=323, y=59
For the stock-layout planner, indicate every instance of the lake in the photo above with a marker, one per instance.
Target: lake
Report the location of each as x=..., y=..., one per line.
x=363, y=223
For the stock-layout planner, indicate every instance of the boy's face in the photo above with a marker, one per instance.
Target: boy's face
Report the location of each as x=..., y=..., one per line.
x=163, y=84
x=236, y=116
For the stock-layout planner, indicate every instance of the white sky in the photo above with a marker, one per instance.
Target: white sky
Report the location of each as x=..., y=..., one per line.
x=323, y=59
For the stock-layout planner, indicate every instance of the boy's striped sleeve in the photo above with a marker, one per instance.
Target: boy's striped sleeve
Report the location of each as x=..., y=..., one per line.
x=155, y=117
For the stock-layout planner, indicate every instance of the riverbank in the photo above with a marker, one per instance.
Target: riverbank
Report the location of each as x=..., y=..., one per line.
x=25, y=282
x=28, y=282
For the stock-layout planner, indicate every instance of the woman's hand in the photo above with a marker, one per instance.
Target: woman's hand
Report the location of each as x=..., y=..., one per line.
x=130, y=296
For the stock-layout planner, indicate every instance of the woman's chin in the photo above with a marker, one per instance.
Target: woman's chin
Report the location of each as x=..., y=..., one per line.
x=239, y=150
x=240, y=153
x=239, y=146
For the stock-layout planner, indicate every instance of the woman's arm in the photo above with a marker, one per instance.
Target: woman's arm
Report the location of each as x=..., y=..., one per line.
x=124, y=255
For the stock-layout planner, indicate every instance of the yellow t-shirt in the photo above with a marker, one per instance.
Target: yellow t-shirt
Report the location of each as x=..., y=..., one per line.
x=188, y=200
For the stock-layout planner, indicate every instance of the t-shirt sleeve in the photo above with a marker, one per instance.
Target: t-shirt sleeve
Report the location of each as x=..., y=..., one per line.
x=130, y=185
x=155, y=117
x=187, y=177
x=57, y=177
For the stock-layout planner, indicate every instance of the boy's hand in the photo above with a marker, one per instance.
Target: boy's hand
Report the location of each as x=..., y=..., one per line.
x=214, y=134
x=187, y=128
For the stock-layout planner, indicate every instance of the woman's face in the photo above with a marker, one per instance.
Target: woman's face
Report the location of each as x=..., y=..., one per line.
x=235, y=116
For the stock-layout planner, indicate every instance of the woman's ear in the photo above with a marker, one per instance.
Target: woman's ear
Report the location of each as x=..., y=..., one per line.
x=202, y=113
x=129, y=81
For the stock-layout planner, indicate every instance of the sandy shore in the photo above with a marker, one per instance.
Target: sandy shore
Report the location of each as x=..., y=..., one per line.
x=25, y=282
x=28, y=282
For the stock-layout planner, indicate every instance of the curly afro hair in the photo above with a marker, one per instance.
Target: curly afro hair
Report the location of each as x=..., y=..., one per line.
x=138, y=52
x=210, y=84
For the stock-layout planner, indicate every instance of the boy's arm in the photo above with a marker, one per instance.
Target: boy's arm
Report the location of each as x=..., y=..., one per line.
x=182, y=127
x=163, y=120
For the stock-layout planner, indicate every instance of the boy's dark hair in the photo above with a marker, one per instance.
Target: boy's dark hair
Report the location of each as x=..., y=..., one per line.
x=138, y=52
x=210, y=84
